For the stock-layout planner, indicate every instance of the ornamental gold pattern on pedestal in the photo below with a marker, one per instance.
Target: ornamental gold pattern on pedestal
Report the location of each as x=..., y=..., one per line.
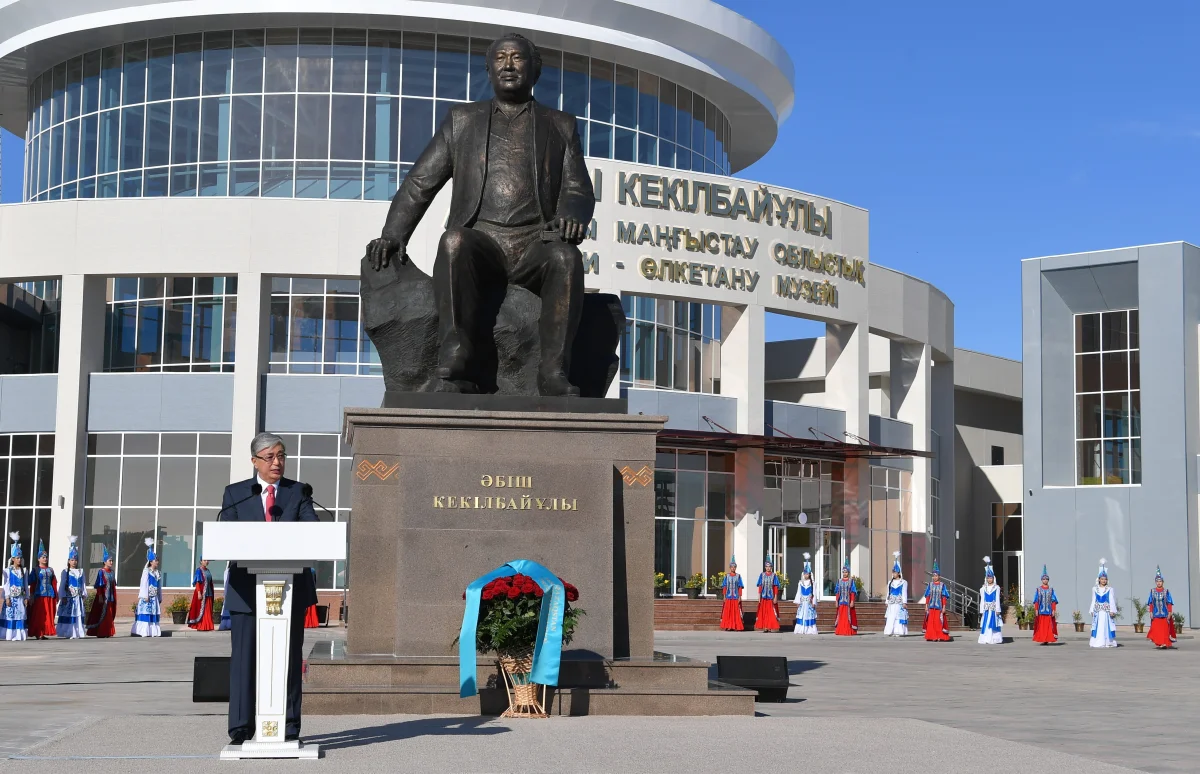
x=274, y=592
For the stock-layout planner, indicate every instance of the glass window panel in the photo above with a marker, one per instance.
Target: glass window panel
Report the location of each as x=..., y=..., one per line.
x=215, y=443
x=383, y=62
x=417, y=73
x=158, y=134
x=207, y=329
x=643, y=373
x=416, y=127
x=681, y=366
x=1116, y=415
x=575, y=84
x=321, y=475
x=664, y=362
x=141, y=443
x=59, y=94
x=626, y=99
x=212, y=475
x=546, y=90
x=720, y=496
x=244, y=179
x=137, y=524
x=214, y=129
x=312, y=180
x=318, y=445
x=110, y=141
x=341, y=334
x=131, y=184
x=312, y=127
x=691, y=495
x=179, y=443
x=1135, y=413
x=690, y=459
x=1135, y=461
x=279, y=60
x=214, y=179
x=1115, y=370
x=218, y=63
x=139, y=480
x=699, y=106
x=647, y=149
x=345, y=181
x=88, y=145
x=1135, y=369
x=177, y=481
x=349, y=60
x=683, y=118
x=135, y=73
x=132, y=128
x=188, y=57
x=103, y=477
x=106, y=187
x=149, y=334
x=178, y=334
x=664, y=549
x=277, y=179
x=624, y=144
x=380, y=182
x=1088, y=462
x=710, y=130
x=174, y=536
x=158, y=69
x=1087, y=373
x=21, y=482
x=1133, y=329
x=346, y=483
x=248, y=46
x=90, y=93
x=601, y=91
x=648, y=90
x=110, y=77
x=1114, y=332
x=626, y=352
x=1116, y=462
x=1087, y=332
x=185, y=131
x=279, y=125
x=313, y=60
x=382, y=128
x=600, y=141
x=247, y=124
x=346, y=130
x=56, y=155
x=451, y=67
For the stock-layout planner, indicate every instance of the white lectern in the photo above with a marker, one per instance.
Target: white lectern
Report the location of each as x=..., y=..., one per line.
x=273, y=553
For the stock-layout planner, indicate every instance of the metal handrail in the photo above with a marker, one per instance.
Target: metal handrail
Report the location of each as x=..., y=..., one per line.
x=963, y=600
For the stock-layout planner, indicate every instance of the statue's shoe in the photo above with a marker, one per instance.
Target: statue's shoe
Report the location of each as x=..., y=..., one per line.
x=556, y=384
x=437, y=384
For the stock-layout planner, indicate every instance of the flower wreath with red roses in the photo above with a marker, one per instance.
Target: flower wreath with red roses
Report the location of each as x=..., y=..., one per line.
x=509, y=612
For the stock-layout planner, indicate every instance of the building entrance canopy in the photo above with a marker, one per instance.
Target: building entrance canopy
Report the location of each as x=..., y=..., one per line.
x=827, y=449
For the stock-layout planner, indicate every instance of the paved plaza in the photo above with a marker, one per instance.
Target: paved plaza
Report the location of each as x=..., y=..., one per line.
x=864, y=705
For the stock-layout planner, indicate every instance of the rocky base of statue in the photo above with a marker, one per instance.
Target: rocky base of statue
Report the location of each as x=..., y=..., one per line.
x=401, y=318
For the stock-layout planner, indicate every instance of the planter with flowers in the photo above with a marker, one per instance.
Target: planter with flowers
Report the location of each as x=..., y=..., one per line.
x=1077, y=619
x=179, y=609
x=511, y=622
x=694, y=585
x=662, y=585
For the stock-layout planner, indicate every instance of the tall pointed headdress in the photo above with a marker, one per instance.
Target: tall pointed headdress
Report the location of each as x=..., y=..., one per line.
x=1158, y=573
x=935, y=568
x=896, y=562
x=105, y=555
x=73, y=551
x=42, y=549
x=150, y=550
x=15, y=550
x=846, y=565
x=732, y=560
x=807, y=564
x=1103, y=572
x=988, y=572
x=1045, y=575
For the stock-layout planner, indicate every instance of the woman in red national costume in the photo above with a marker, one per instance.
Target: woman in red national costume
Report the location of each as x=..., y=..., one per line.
x=846, y=592
x=1045, y=602
x=102, y=618
x=43, y=597
x=936, y=598
x=1162, y=625
x=731, y=589
x=200, y=613
x=310, y=615
x=767, y=617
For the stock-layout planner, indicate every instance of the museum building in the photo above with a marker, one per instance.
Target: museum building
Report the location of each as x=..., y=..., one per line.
x=201, y=179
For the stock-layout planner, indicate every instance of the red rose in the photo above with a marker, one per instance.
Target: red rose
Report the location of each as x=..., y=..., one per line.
x=517, y=579
x=537, y=592
x=514, y=592
x=528, y=587
x=464, y=595
x=487, y=594
x=572, y=592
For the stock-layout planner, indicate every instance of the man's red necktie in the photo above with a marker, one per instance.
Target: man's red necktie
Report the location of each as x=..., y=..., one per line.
x=269, y=505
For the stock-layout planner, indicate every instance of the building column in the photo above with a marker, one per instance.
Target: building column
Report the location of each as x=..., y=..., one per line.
x=747, y=513
x=81, y=331
x=847, y=388
x=743, y=331
x=251, y=353
x=941, y=379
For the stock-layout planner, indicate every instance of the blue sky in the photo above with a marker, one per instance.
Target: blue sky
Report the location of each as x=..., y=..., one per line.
x=978, y=134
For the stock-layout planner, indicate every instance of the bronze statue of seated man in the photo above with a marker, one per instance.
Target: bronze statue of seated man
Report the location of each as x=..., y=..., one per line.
x=521, y=204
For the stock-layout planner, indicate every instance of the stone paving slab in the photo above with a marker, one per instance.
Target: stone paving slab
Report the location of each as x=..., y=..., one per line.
x=559, y=745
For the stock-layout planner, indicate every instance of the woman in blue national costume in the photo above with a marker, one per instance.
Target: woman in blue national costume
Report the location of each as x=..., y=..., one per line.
x=1104, y=604
x=767, y=617
x=13, y=588
x=72, y=592
x=895, y=622
x=806, y=601
x=43, y=597
x=149, y=606
x=990, y=624
x=732, y=586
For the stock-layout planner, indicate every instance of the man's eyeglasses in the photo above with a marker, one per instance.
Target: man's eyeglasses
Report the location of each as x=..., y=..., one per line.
x=282, y=457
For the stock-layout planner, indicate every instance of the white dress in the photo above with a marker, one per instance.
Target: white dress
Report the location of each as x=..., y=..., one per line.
x=71, y=597
x=1104, y=628
x=149, y=607
x=990, y=623
x=896, y=622
x=806, y=609
x=12, y=614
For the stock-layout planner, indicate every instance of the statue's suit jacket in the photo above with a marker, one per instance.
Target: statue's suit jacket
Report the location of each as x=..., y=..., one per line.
x=459, y=150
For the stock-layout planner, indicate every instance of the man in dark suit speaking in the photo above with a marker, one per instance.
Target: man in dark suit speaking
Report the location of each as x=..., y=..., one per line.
x=268, y=496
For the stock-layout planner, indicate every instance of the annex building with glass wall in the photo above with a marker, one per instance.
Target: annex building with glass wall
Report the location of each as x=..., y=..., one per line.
x=201, y=179
x=1111, y=433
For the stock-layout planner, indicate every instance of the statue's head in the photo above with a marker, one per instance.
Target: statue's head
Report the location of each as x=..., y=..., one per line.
x=514, y=66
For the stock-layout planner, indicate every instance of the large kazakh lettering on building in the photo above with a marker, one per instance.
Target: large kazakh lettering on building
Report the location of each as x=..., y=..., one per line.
x=759, y=205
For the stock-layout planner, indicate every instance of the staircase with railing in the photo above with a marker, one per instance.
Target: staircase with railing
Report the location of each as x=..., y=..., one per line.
x=963, y=600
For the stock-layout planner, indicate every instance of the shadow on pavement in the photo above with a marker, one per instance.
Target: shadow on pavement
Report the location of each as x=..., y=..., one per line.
x=408, y=729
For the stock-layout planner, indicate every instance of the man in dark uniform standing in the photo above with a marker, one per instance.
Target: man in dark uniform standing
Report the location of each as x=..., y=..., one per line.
x=268, y=496
x=522, y=201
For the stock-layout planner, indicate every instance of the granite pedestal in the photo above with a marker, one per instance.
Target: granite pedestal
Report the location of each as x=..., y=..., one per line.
x=443, y=495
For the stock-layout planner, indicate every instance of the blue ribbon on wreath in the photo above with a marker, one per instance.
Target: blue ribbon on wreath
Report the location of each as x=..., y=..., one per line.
x=547, y=651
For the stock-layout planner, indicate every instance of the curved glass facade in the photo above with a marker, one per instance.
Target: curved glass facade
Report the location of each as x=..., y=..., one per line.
x=318, y=113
